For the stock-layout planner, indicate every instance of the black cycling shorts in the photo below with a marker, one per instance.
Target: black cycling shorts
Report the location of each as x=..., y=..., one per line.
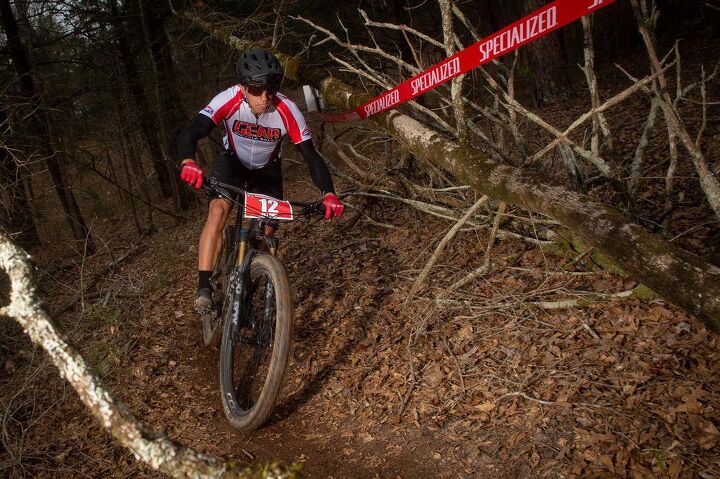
x=266, y=180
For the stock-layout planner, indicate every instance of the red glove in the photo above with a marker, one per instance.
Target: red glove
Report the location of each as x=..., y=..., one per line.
x=333, y=206
x=192, y=174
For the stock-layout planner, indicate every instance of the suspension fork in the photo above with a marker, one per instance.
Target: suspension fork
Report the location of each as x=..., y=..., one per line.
x=238, y=272
x=239, y=276
x=242, y=249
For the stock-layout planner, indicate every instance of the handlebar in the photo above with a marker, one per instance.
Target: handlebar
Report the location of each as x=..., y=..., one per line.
x=212, y=185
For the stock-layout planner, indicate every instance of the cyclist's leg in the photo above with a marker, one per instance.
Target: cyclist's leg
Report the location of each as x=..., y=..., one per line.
x=211, y=237
x=225, y=171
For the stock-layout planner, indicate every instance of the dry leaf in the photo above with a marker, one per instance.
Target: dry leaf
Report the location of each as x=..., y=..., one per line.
x=692, y=406
x=607, y=461
x=590, y=456
x=675, y=469
x=486, y=406
x=709, y=434
x=466, y=332
x=534, y=459
x=514, y=439
x=433, y=374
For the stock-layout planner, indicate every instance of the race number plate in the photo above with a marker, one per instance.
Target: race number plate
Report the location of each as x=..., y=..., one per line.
x=263, y=206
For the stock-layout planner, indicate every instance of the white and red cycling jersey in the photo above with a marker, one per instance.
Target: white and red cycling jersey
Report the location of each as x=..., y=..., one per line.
x=256, y=140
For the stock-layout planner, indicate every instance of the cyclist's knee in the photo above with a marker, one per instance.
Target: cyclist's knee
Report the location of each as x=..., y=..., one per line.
x=217, y=216
x=218, y=210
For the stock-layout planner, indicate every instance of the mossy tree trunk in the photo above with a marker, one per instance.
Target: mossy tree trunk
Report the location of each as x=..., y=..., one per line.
x=683, y=279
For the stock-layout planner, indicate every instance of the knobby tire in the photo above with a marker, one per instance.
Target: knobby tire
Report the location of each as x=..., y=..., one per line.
x=255, y=347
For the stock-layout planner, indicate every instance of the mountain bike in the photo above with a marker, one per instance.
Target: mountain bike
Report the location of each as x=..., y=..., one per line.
x=252, y=320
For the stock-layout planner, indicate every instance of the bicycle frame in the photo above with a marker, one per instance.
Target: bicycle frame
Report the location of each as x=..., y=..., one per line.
x=237, y=266
x=242, y=249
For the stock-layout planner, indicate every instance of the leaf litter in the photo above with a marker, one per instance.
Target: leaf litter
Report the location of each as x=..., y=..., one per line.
x=471, y=383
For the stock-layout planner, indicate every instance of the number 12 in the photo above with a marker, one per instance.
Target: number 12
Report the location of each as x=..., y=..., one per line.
x=269, y=207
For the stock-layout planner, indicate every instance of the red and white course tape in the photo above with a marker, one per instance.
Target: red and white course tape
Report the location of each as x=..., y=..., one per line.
x=539, y=23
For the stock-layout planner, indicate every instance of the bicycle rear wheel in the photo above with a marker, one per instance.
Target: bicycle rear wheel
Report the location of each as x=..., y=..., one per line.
x=220, y=280
x=255, y=345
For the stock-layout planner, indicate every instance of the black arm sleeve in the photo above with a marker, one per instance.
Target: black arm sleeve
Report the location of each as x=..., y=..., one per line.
x=318, y=169
x=200, y=127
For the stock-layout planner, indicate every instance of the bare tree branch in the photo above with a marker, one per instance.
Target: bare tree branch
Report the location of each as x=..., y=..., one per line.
x=615, y=100
x=153, y=448
x=635, y=168
x=708, y=181
x=456, y=87
x=684, y=279
x=441, y=246
x=598, y=119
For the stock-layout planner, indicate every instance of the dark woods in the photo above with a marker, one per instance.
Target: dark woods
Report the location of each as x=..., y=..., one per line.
x=94, y=92
x=90, y=105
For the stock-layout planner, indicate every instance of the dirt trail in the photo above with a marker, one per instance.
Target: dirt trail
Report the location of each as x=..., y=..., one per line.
x=339, y=286
x=151, y=355
x=479, y=383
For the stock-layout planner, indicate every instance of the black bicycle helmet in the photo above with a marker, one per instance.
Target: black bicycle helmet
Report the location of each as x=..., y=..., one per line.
x=260, y=68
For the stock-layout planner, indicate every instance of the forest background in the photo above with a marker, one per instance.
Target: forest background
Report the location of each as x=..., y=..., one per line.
x=94, y=94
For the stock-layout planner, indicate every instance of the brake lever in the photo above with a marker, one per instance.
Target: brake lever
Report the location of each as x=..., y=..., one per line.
x=313, y=209
x=210, y=186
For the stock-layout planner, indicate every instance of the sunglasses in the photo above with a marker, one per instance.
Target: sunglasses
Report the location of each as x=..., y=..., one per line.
x=259, y=90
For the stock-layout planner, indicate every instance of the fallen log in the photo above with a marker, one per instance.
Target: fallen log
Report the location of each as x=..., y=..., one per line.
x=676, y=275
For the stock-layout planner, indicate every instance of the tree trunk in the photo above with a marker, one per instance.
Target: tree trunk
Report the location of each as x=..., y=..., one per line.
x=680, y=277
x=119, y=147
x=41, y=127
x=170, y=121
x=18, y=219
x=548, y=68
x=130, y=151
x=144, y=112
x=52, y=158
x=456, y=89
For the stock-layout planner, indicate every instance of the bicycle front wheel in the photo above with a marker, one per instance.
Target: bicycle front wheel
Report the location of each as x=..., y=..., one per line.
x=255, y=344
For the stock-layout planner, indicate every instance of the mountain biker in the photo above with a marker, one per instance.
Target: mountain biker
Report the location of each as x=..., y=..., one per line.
x=256, y=117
